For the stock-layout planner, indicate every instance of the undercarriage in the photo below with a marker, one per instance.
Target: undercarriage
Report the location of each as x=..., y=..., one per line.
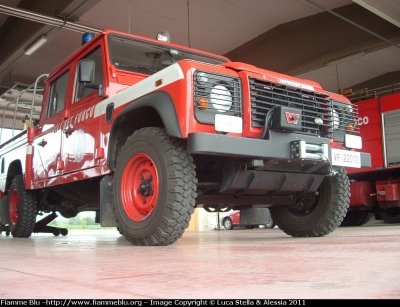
x=247, y=183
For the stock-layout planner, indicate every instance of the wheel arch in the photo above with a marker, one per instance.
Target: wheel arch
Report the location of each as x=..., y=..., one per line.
x=152, y=110
x=14, y=169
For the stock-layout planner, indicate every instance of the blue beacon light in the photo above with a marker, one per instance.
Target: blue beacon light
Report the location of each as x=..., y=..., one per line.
x=87, y=37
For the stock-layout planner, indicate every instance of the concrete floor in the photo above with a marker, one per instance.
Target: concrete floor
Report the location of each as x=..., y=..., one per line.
x=350, y=263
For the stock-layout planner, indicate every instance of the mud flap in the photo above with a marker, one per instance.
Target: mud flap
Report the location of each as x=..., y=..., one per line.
x=107, y=214
x=4, y=210
x=254, y=216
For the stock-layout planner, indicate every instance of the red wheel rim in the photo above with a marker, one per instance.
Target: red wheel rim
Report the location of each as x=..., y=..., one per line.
x=139, y=187
x=14, y=201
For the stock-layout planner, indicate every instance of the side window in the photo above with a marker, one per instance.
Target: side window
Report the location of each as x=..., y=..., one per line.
x=58, y=93
x=83, y=90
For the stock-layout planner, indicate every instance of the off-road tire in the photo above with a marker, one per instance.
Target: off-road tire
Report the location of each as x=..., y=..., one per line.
x=23, y=209
x=156, y=167
x=322, y=213
x=356, y=218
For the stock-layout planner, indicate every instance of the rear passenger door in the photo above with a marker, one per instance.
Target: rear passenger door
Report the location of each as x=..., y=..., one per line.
x=47, y=162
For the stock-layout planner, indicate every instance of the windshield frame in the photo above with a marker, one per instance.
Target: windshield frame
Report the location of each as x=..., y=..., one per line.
x=152, y=56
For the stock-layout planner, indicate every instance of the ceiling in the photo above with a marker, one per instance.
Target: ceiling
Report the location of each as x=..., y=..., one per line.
x=338, y=43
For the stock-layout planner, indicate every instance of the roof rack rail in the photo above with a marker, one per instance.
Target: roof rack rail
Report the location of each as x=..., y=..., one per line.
x=31, y=88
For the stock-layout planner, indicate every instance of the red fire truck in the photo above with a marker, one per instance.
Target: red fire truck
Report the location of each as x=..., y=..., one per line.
x=375, y=191
x=142, y=131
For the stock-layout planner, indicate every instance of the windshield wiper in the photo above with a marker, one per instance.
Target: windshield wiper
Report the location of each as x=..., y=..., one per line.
x=139, y=67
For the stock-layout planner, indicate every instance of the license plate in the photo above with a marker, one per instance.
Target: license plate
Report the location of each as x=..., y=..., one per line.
x=346, y=158
x=226, y=123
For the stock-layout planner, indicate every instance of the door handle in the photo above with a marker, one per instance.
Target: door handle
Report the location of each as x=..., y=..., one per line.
x=42, y=143
x=68, y=130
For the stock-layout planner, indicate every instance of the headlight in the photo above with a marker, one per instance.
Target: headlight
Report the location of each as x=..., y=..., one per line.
x=336, y=119
x=221, y=98
x=350, y=109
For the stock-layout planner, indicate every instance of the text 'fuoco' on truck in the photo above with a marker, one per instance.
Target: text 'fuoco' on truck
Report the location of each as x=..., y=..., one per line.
x=143, y=131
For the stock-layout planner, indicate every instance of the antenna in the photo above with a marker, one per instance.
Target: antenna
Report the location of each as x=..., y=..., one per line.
x=188, y=23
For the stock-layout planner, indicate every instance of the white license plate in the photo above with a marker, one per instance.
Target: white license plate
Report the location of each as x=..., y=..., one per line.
x=226, y=123
x=346, y=158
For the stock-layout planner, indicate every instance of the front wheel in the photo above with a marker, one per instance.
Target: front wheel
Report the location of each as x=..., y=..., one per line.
x=22, y=209
x=227, y=222
x=154, y=188
x=321, y=214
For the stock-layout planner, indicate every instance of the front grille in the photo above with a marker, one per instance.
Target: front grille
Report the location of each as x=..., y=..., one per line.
x=266, y=95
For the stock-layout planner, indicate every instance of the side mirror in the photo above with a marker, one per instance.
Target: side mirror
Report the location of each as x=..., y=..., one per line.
x=86, y=71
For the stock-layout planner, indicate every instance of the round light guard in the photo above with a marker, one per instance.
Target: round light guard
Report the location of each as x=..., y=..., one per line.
x=221, y=98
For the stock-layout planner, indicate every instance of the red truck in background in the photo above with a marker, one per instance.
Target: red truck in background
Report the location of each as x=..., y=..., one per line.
x=142, y=131
x=375, y=191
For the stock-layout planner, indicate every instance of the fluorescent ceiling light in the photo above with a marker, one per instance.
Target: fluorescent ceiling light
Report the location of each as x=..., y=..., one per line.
x=36, y=45
x=346, y=58
x=25, y=107
x=378, y=12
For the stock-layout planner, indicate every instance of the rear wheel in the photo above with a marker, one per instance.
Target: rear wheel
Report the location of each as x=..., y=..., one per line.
x=227, y=222
x=22, y=209
x=390, y=217
x=356, y=218
x=321, y=213
x=154, y=188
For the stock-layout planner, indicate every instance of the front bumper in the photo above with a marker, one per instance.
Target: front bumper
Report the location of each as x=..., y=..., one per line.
x=278, y=146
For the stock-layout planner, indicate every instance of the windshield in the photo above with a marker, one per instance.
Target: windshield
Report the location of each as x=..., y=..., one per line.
x=147, y=57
